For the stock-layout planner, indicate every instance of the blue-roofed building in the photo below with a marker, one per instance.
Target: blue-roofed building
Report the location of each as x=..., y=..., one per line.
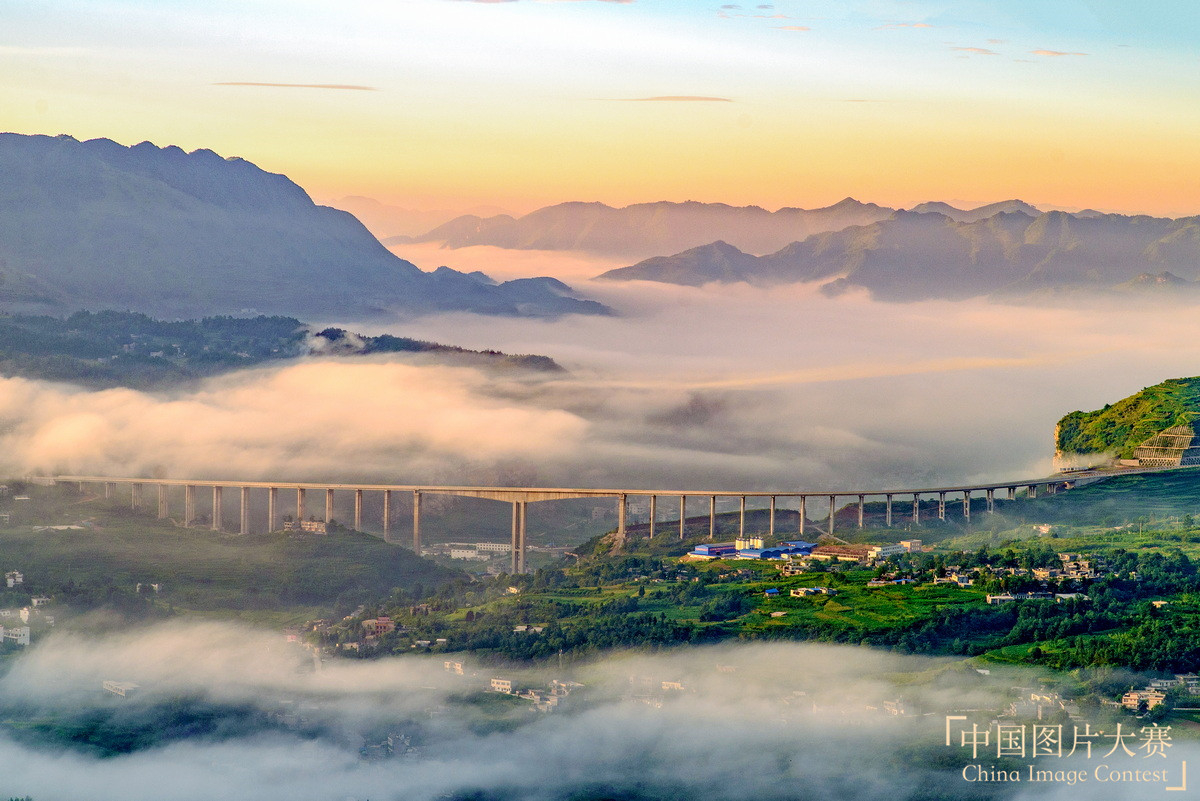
x=782, y=551
x=714, y=550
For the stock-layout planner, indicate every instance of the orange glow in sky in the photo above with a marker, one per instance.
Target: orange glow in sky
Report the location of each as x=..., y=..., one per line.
x=453, y=103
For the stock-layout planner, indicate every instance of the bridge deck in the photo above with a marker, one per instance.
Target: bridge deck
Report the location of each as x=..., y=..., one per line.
x=590, y=492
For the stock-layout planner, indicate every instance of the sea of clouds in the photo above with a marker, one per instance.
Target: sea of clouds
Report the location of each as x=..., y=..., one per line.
x=721, y=387
x=761, y=721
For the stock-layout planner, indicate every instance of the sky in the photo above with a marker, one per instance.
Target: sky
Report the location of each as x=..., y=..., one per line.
x=456, y=103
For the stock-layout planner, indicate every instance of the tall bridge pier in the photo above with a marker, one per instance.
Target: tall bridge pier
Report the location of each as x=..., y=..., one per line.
x=520, y=497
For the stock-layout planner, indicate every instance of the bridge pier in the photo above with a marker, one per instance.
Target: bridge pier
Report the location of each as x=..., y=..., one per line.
x=941, y=506
x=622, y=511
x=135, y=496
x=771, y=523
x=888, y=518
x=832, y=512
x=861, y=509
x=358, y=510
x=521, y=566
x=417, y=523
x=1032, y=491
x=328, y=506
x=991, y=501
x=742, y=518
x=108, y=489
x=653, y=513
x=803, y=511
x=682, y=516
x=244, y=512
x=1012, y=493
x=299, y=504
x=216, y=508
x=712, y=517
x=916, y=516
x=967, y=505
x=272, y=509
x=519, y=511
x=515, y=537
x=387, y=515
x=189, y=504
x=164, y=509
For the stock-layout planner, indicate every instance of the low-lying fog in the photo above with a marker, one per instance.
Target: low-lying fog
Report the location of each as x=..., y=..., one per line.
x=731, y=722
x=720, y=387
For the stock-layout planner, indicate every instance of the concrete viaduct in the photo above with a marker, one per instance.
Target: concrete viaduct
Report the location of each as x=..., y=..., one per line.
x=521, y=497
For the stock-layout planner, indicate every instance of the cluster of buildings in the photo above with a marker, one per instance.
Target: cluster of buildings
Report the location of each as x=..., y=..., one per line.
x=1155, y=692
x=472, y=551
x=751, y=548
x=14, y=623
x=802, y=592
x=1073, y=567
x=544, y=700
x=306, y=526
x=1057, y=597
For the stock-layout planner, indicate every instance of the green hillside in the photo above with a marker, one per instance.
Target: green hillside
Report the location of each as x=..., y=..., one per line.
x=1122, y=426
x=91, y=553
x=111, y=349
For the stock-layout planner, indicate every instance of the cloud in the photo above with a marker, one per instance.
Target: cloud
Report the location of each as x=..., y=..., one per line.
x=790, y=715
x=490, y=2
x=351, y=87
x=978, y=51
x=1055, y=53
x=677, y=99
x=860, y=394
x=894, y=25
x=384, y=413
x=792, y=28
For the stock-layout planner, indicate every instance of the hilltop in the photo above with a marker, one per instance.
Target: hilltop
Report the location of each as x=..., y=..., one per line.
x=95, y=225
x=109, y=348
x=1118, y=428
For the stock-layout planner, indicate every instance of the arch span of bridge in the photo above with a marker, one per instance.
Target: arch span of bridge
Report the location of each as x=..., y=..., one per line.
x=521, y=497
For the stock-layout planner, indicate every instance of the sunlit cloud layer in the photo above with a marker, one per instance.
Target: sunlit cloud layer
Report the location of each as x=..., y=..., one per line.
x=747, y=722
x=729, y=387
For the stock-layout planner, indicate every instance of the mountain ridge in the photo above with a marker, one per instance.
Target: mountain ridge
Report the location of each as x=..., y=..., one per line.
x=915, y=255
x=645, y=229
x=98, y=225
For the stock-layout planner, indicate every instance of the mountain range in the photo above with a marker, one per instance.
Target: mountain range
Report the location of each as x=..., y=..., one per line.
x=647, y=229
x=97, y=225
x=911, y=255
